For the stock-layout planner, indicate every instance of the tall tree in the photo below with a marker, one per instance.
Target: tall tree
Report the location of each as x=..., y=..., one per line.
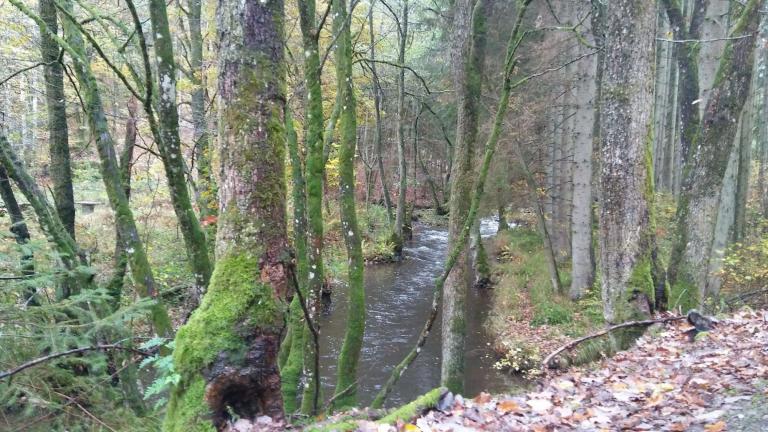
x=315, y=173
x=625, y=236
x=169, y=144
x=582, y=268
x=58, y=132
x=468, y=51
x=346, y=381
x=377, y=101
x=402, y=164
x=700, y=197
x=227, y=353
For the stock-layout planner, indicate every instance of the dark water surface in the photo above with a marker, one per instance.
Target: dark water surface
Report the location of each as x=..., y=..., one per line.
x=398, y=299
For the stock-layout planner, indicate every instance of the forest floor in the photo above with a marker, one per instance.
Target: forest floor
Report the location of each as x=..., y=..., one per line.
x=668, y=381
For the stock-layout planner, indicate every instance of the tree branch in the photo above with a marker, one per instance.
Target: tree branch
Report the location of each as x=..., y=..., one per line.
x=49, y=357
x=570, y=345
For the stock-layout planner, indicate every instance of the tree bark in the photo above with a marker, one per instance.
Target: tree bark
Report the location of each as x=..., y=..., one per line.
x=314, y=142
x=169, y=146
x=58, y=134
x=467, y=53
x=402, y=188
x=625, y=153
x=582, y=267
x=20, y=233
x=700, y=197
x=226, y=354
x=353, y=337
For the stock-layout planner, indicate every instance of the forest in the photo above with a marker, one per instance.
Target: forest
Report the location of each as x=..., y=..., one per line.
x=383, y=215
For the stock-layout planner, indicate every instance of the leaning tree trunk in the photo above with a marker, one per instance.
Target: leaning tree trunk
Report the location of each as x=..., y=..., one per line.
x=346, y=381
x=625, y=235
x=169, y=146
x=20, y=233
x=700, y=197
x=58, y=135
x=226, y=354
x=468, y=42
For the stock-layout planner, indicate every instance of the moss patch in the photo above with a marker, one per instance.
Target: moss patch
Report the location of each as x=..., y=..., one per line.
x=189, y=412
x=235, y=297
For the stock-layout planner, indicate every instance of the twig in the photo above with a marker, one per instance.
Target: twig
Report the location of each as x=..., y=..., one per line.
x=729, y=38
x=340, y=394
x=573, y=343
x=44, y=359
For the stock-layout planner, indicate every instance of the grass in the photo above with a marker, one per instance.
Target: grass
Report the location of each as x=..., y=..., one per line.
x=528, y=318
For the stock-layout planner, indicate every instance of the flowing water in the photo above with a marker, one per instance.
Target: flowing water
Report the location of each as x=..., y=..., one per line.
x=398, y=298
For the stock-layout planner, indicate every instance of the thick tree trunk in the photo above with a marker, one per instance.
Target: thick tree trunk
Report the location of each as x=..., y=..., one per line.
x=58, y=134
x=170, y=149
x=353, y=337
x=700, y=198
x=227, y=353
x=467, y=53
x=625, y=237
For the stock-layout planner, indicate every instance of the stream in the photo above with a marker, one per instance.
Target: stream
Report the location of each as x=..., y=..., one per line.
x=398, y=299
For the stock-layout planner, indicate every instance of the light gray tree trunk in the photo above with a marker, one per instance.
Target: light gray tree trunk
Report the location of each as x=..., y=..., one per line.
x=625, y=116
x=582, y=274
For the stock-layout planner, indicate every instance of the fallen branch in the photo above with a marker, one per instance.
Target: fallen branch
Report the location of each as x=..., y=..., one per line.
x=39, y=360
x=570, y=345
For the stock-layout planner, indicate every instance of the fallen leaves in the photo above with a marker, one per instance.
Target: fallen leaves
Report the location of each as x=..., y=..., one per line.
x=665, y=383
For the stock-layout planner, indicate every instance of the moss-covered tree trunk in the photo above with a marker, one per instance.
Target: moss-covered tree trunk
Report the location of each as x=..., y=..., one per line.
x=58, y=133
x=467, y=46
x=315, y=173
x=227, y=353
x=68, y=253
x=20, y=234
x=625, y=241
x=115, y=286
x=291, y=370
x=402, y=163
x=169, y=146
x=346, y=381
x=700, y=197
x=687, y=55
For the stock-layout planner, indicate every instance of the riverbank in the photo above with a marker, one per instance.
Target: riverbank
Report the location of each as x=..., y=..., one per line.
x=527, y=319
x=666, y=382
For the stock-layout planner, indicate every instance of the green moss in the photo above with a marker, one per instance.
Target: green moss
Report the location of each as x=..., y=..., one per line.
x=413, y=409
x=188, y=413
x=235, y=297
